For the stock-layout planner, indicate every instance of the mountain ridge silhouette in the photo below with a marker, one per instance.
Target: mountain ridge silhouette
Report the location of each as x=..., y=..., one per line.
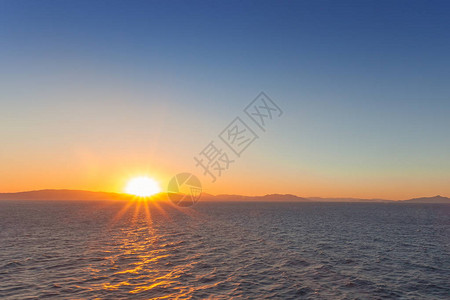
x=83, y=195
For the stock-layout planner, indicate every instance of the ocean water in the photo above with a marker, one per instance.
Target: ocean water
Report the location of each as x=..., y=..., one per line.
x=116, y=250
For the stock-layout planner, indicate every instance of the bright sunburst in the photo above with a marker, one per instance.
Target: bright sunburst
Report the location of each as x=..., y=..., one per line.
x=142, y=186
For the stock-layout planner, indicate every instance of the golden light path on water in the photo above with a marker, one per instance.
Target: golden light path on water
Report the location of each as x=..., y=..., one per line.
x=133, y=245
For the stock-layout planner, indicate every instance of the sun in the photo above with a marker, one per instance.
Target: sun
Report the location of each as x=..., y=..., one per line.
x=142, y=186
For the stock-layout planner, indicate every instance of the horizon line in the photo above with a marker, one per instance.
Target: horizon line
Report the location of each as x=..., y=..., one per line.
x=237, y=195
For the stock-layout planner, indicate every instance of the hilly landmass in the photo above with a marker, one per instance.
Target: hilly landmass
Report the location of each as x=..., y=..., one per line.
x=51, y=194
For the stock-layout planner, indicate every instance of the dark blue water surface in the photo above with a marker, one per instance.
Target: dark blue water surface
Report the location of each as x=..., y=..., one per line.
x=115, y=250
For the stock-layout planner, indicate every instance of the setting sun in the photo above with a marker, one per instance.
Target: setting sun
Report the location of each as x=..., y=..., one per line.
x=142, y=186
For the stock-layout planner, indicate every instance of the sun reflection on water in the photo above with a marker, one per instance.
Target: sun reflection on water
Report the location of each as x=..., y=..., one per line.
x=140, y=258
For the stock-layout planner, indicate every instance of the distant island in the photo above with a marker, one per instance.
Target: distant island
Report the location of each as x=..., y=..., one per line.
x=435, y=199
x=79, y=195
x=51, y=194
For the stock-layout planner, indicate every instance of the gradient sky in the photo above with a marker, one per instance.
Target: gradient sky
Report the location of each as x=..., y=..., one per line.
x=95, y=92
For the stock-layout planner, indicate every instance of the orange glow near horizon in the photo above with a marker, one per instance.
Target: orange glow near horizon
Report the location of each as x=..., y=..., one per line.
x=112, y=171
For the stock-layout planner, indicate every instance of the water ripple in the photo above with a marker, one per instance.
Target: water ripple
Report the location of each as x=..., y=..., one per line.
x=222, y=251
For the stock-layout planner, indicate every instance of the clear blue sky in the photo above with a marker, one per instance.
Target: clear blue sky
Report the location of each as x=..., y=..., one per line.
x=365, y=86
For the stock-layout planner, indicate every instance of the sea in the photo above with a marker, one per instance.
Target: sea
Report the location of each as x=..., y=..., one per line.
x=234, y=250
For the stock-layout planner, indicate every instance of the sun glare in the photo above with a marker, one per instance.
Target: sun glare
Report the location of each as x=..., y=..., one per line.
x=142, y=186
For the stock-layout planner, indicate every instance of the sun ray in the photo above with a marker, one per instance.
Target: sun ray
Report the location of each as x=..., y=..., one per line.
x=121, y=212
x=148, y=217
x=136, y=212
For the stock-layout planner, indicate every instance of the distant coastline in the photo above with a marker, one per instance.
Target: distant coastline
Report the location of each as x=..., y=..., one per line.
x=80, y=195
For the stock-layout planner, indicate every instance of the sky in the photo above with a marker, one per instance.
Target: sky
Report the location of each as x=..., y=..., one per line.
x=94, y=93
